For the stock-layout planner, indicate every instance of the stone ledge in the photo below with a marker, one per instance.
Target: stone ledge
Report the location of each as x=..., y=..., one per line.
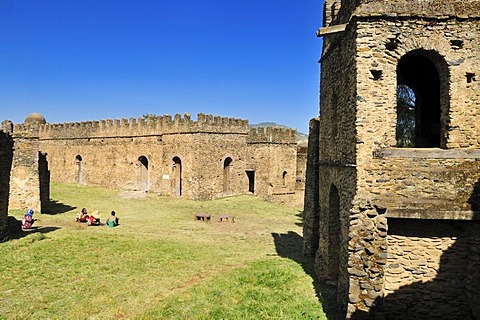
x=331, y=29
x=426, y=153
x=415, y=213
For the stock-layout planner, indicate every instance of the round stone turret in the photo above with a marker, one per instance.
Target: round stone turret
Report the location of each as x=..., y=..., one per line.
x=35, y=118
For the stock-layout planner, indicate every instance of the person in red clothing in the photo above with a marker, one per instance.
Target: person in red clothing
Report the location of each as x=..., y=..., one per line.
x=92, y=220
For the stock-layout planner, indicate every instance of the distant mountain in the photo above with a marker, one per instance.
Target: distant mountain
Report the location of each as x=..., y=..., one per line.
x=300, y=136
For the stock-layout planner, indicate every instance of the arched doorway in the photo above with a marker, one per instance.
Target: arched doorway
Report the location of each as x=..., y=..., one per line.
x=143, y=173
x=284, y=178
x=79, y=169
x=177, y=172
x=422, y=100
x=227, y=163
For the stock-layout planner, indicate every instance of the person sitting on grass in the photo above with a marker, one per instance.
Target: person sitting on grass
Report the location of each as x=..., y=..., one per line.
x=27, y=220
x=112, y=221
x=82, y=216
x=92, y=221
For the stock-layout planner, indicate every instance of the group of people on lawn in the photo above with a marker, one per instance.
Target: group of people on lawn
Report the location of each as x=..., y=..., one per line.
x=93, y=219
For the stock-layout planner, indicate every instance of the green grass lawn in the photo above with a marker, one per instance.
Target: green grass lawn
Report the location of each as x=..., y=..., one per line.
x=159, y=263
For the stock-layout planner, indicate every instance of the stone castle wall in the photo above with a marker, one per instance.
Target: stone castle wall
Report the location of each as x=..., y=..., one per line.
x=6, y=155
x=212, y=154
x=311, y=212
x=276, y=176
x=25, y=176
x=370, y=188
x=301, y=172
x=432, y=269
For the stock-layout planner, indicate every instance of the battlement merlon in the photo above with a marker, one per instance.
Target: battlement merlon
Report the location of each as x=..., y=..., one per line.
x=26, y=131
x=274, y=135
x=143, y=126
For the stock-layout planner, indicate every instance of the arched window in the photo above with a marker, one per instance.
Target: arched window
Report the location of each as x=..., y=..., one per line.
x=227, y=163
x=422, y=100
x=284, y=178
x=177, y=172
x=79, y=169
x=143, y=173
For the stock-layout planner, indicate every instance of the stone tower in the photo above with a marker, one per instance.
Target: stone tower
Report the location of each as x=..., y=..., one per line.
x=396, y=224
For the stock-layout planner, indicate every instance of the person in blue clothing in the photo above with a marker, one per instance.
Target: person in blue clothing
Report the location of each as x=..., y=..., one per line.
x=27, y=220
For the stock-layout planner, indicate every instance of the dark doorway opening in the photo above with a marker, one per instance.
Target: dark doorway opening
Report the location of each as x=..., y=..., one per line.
x=226, y=174
x=177, y=171
x=334, y=234
x=143, y=173
x=251, y=180
x=79, y=171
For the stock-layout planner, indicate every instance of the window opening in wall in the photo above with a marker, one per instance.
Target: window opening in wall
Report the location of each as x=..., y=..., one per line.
x=392, y=44
x=226, y=174
x=143, y=173
x=376, y=74
x=456, y=44
x=177, y=171
x=470, y=77
x=422, y=100
x=333, y=234
x=251, y=180
x=284, y=178
x=79, y=170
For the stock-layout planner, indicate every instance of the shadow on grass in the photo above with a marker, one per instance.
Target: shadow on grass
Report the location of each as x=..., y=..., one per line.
x=300, y=215
x=290, y=245
x=16, y=232
x=55, y=207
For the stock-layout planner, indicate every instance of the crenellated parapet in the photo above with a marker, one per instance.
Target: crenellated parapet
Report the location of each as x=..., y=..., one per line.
x=143, y=126
x=25, y=131
x=272, y=135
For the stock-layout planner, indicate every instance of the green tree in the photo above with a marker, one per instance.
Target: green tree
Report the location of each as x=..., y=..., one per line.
x=405, y=132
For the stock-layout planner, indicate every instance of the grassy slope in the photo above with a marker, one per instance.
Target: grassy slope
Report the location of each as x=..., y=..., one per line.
x=159, y=263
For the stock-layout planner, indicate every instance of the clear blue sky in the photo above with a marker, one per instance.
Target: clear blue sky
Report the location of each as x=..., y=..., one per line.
x=79, y=60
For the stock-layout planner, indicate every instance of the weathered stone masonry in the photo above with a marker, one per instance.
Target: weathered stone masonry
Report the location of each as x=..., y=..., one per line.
x=29, y=179
x=200, y=159
x=397, y=225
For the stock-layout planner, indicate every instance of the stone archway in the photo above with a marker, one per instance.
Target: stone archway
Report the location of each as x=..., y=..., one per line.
x=227, y=164
x=422, y=100
x=79, y=169
x=177, y=172
x=143, y=180
x=333, y=234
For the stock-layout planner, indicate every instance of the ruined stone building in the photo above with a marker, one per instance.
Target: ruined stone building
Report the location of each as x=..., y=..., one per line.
x=392, y=203
x=201, y=159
